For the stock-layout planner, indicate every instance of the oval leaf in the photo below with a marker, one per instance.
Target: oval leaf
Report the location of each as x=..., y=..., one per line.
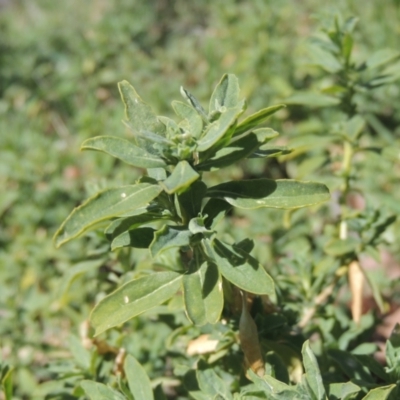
x=203, y=296
x=133, y=298
x=138, y=381
x=104, y=205
x=240, y=268
x=139, y=113
x=313, y=373
x=226, y=93
x=123, y=150
x=257, y=193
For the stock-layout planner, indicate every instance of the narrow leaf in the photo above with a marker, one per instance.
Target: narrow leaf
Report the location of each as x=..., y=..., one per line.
x=380, y=393
x=202, y=291
x=168, y=237
x=182, y=176
x=138, y=112
x=123, y=150
x=99, y=391
x=218, y=129
x=230, y=154
x=393, y=349
x=257, y=193
x=195, y=104
x=240, y=268
x=134, y=298
x=122, y=225
x=313, y=374
x=105, y=205
x=189, y=114
x=138, y=381
x=256, y=119
x=226, y=93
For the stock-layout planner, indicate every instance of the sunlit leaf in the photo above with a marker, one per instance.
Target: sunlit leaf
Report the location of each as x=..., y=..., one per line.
x=258, y=193
x=124, y=150
x=105, y=205
x=134, y=298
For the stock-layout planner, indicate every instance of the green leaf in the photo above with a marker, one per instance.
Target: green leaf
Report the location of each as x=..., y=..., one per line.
x=380, y=393
x=376, y=292
x=168, y=237
x=268, y=151
x=309, y=99
x=211, y=384
x=350, y=365
x=203, y=296
x=313, y=374
x=341, y=247
x=6, y=381
x=138, y=112
x=218, y=129
x=274, y=389
x=99, y=391
x=257, y=193
x=393, y=349
x=354, y=127
x=105, y=205
x=158, y=174
x=214, y=210
x=343, y=391
x=256, y=119
x=191, y=119
x=123, y=150
x=325, y=59
x=226, y=93
x=191, y=200
x=140, y=238
x=122, y=225
x=195, y=104
x=71, y=275
x=80, y=354
x=230, y=154
x=276, y=367
x=182, y=176
x=134, y=298
x=239, y=267
x=138, y=381
x=381, y=58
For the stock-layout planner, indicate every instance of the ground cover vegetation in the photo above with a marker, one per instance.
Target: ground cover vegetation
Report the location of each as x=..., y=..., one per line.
x=215, y=258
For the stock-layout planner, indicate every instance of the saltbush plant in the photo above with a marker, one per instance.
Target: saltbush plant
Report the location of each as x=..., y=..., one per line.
x=58, y=74
x=172, y=212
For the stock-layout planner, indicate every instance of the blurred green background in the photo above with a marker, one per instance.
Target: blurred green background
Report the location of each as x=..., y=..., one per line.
x=60, y=62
